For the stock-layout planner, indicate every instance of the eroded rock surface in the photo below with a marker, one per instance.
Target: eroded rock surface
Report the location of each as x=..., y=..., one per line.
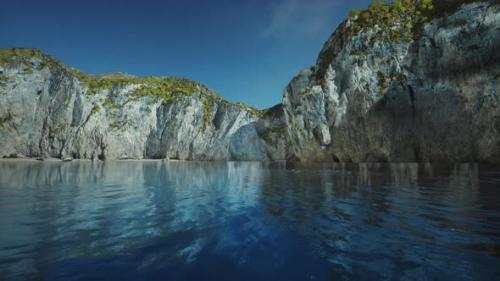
x=50, y=110
x=433, y=98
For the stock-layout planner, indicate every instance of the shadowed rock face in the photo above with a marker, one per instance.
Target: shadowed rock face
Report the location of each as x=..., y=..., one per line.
x=435, y=98
x=368, y=99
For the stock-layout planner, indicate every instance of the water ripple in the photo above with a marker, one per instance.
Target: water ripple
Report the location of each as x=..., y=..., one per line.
x=248, y=221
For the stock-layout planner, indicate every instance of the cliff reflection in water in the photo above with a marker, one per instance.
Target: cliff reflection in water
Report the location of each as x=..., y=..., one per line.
x=245, y=221
x=393, y=220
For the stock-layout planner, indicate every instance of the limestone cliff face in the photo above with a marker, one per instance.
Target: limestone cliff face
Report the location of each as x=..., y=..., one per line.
x=50, y=110
x=373, y=97
x=410, y=88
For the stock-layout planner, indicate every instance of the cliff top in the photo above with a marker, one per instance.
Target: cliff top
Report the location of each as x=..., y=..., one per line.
x=398, y=21
x=166, y=88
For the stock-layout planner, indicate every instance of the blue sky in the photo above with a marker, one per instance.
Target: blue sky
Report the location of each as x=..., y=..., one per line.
x=245, y=50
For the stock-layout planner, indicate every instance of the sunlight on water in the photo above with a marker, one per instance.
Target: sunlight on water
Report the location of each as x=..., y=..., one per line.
x=156, y=220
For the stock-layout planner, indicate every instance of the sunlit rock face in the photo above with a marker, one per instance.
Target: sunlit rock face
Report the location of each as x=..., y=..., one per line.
x=427, y=94
x=50, y=110
x=433, y=98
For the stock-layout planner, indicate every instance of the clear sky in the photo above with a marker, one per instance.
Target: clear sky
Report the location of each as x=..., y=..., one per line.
x=245, y=50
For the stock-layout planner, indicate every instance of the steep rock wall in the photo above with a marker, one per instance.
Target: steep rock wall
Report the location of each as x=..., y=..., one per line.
x=50, y=110
x=432, y=98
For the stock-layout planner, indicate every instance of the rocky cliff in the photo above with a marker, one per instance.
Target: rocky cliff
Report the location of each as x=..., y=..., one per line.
x=397, y=83
x=48, y=109
x=408, y=81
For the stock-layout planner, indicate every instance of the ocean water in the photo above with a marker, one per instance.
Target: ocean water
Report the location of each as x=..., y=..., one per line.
x=154, y=220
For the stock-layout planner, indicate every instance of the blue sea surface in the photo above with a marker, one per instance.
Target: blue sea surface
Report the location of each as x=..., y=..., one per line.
x=157, y=220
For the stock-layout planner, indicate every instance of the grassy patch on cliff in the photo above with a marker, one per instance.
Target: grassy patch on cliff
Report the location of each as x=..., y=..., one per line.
x=398, y=21
x=4, y=119
x=55, y=132
x=3, y=79
x=254, y=111
x=20, y=56
x=385, y=80
x=402, y=20
x=24, y=57
x=168, y=89
x=150, y=86
x=96, y=108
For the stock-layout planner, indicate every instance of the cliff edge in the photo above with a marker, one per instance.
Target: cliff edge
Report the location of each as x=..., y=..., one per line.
x=410, y=81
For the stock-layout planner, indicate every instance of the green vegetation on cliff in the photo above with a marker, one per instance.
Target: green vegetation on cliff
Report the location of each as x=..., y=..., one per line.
x=401, y=20
x=398, y=21
x=20, y=56
x=251, y=109
x=385, y=80
x=168, y=89
x=4, y=119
